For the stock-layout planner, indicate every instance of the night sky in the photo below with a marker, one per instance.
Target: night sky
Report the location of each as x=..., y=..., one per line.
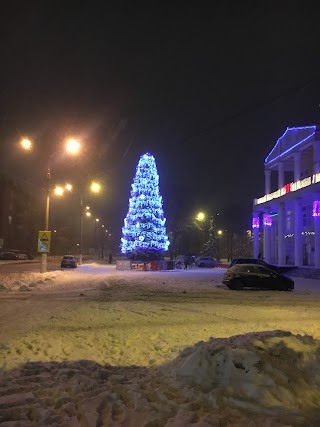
x=206, y=88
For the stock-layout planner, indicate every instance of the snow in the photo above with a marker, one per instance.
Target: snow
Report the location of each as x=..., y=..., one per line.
x=97, y=346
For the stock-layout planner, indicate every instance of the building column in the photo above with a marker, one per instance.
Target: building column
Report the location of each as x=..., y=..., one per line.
x=281, y=245
x=297, y=233
x=266, y=239
x=316, y=156
x=297, y=166
x=280, y=174
x=316, y=222
x=267, y=181
x=256, y=234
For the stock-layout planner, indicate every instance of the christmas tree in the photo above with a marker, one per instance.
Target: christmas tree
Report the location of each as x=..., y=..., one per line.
x=144, y=233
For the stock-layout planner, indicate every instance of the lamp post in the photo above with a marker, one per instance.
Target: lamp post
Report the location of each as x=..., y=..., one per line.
x=95, y=187
x=72, y=147
x=95, y=234
x=219, y=235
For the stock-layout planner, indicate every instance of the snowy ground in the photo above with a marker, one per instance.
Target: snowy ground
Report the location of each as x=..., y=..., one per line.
x=102, y=347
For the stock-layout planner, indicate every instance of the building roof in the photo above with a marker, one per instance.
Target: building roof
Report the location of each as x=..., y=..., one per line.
x=293, y=138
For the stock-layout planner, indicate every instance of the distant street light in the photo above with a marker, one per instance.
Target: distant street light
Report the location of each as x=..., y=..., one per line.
x=97, y=219
x=220, y=232
x=95, y=187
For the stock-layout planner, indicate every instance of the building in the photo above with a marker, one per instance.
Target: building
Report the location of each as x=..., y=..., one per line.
x=286, y=220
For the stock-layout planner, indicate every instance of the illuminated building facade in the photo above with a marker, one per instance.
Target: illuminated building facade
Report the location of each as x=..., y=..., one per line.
x=287, y=218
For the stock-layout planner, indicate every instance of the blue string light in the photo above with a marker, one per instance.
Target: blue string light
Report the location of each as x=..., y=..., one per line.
x=294, y=146
x=144, y=226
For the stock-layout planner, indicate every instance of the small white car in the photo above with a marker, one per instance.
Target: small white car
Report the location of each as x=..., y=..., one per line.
x=205, y=261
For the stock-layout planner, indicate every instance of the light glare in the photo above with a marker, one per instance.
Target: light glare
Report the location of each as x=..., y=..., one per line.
x=95, y=187
x=73, y=146
x=58, y=191
x=26, y=144
x=201, y=216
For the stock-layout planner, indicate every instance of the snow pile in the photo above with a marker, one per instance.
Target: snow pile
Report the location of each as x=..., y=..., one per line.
x=24, y=281
x=272, y=373
x=258, y=379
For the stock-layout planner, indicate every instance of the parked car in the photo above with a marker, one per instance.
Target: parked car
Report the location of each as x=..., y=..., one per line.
x=69, y=261
x=22, y=255
x=9, y=255
x=241, y=276
x=205, y=261
x=254, y=261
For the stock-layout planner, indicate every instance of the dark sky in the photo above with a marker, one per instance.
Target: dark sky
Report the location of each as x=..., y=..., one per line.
x=206, y=88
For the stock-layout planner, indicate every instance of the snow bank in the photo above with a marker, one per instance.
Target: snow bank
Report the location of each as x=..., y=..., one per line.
x=272, y=373
x=258, y=379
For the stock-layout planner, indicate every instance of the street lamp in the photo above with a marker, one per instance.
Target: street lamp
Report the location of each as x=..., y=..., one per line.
x=200, y=216
x=219, y=235
x=72, y=147
x=95, y=187
x=59, y=191
x=26, y=144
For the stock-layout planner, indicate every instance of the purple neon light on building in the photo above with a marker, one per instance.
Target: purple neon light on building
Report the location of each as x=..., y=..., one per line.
x=267, y=220
x=255, y=222
x=316, y=209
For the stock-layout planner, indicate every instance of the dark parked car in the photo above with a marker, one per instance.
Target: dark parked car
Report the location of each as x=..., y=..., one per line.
x=258, y=261
x=9, y=255
x=205, y=261
x=22, y=255
x=242, y=276
x=68, y=261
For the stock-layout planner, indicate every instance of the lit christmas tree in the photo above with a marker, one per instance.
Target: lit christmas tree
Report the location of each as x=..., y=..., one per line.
x=144, y=233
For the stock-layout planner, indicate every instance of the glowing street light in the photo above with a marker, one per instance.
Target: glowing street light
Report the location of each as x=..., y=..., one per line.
x=69, y=187
x=200, y=216
x=26, y=144
x=97, y=219
x=95, y=187
x=58, y=191
x=72, y=146
x=220, y=232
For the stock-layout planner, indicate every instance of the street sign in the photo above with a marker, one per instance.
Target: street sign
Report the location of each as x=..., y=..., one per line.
x=44, y=240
